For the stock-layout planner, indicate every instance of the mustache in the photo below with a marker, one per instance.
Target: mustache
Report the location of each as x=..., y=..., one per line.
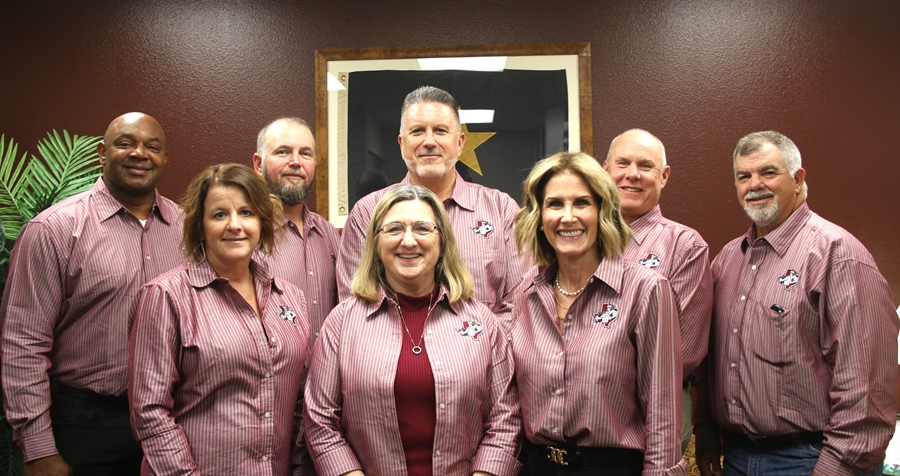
x=758, y=194
x=297, y=171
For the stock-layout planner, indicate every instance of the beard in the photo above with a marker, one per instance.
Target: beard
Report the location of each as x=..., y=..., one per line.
x=762, y=215
x=289, y=195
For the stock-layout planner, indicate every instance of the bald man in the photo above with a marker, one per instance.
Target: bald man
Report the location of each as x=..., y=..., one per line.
x=73, y=287
x=637, y=163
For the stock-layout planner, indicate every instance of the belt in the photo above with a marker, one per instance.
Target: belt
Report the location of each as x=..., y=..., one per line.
x=780, y=441
x=111, y=400
x=580, y=457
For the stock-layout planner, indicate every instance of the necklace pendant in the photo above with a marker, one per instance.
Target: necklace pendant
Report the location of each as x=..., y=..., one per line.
x=416, y=350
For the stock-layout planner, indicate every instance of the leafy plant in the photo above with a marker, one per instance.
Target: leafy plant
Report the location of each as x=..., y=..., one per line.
x=68, y=165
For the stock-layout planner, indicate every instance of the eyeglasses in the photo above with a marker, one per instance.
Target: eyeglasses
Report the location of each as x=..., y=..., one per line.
x=419, y=228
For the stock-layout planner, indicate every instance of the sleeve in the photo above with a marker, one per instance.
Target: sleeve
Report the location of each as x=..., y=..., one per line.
x=516, y=265
x=497, y=454
x=658, y=346
x=353, y=238
x=692, y=284
x=857, y=310
x=32, y=304
x=153, y=355
x=706, y=432
x=327, y=445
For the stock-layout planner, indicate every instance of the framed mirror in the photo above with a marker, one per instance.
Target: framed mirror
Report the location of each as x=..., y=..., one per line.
x=518, y=104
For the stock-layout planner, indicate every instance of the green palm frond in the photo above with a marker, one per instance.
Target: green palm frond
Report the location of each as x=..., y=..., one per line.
x=11, y=184
x=69, y=165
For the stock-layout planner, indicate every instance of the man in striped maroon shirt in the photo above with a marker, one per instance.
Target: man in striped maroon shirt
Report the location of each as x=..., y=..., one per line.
x=73, y=288
x=637, y=164
x=286, y=157
x=431, y=141
x=802, y=377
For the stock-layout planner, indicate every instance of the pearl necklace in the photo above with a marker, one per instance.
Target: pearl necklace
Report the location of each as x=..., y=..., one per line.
x=569, y=293
x=417, y=348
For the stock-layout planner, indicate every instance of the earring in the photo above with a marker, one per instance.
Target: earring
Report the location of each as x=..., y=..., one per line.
x=542, y=227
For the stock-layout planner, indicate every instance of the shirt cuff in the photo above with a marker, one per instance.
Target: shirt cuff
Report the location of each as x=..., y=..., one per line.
x=495, y=461
x=337, y=461
x=37, y=445
x=829, y=465
x=679, y=469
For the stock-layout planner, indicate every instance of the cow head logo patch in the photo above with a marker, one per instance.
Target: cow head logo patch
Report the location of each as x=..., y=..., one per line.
x=651, y=261
x=483, y=228
x=287, y=314
x=606, y=315
x=789, y=279
x=471, y=329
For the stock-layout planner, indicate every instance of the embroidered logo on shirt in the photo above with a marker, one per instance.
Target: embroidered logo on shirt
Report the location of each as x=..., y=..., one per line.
x=607, y=314
x=287, y=313
x=651, y=261
x=483, y=228
x=790, y=279
x=471, y=329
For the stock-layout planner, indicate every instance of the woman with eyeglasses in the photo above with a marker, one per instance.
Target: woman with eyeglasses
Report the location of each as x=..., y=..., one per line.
x=411, y=375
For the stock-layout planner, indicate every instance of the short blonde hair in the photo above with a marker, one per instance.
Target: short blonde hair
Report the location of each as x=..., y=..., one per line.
x=613, y=232
x=449, y=269
x=267, y=207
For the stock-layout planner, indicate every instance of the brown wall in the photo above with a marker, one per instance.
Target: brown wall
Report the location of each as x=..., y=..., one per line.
x=698, y=74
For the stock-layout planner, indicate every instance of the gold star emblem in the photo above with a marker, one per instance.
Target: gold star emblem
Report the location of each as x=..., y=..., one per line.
x=473, y=140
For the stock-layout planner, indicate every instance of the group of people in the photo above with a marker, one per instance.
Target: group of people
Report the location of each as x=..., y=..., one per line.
x=447, y=330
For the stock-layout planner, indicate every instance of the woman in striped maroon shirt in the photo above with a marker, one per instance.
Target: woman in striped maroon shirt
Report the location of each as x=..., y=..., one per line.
x=595, y=337
x=218, y=344
x=411, y=375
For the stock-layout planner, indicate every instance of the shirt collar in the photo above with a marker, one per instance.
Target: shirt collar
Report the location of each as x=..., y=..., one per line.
x=108, y=206
x=202, y=274
x=382, y=299
x=780, y=238
x=307, y=222
x=645, y=223
x=610, y=271
x=463, y=194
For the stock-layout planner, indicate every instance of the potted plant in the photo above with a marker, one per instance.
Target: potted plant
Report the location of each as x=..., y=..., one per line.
x=67, y=165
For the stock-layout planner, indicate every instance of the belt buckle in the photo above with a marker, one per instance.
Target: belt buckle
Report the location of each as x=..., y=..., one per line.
x=557, y=456
x=756, y=439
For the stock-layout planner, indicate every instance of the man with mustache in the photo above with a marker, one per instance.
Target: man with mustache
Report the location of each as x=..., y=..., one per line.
x=637, y=164
x=431, y=141
x=802, y=377
x=74, y=282
x=286, y=157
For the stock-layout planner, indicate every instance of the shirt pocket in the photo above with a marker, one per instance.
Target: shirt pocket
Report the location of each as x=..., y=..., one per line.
x=768, y=334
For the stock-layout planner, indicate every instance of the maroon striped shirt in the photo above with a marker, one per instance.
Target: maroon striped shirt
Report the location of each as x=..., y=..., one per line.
x=74, y=282
x=612, y=379
x=482, y=220
x=212, y=389
x=680, y=254
x=308, y=262
x=804, y=339
x=350, y=416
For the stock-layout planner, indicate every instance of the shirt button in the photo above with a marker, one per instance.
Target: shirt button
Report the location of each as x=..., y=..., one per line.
x=317, y=333
x=557, y=391
x=268, y=414
x=753, y=266
x=273, y=339
x=743, y=298
x=268, y=374
x=555, y=430
x=314, y=301
x=265, y=458
x=148, y=256
x=560, y=353
x=733, y=401
x=734, y=331
x=437, y=362
x=442, y=405
x=437, y=452
x=310, y=272
x=430, y=332
x=733, y=365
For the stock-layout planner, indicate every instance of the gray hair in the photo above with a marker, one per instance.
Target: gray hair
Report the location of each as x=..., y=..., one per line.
x=261, y=138
x=428, y=94
x=755, y=141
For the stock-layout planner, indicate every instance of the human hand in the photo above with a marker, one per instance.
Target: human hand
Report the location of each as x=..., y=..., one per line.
x=354, y=473
x=481, y=473
x=50, y=466
x=709, y=461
